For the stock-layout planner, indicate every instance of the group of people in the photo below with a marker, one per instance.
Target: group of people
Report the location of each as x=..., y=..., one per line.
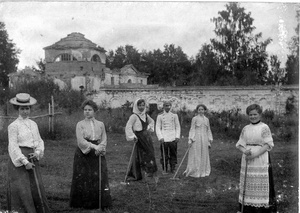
x=90, y=185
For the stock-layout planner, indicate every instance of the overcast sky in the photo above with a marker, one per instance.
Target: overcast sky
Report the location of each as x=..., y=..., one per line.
x=145, y=25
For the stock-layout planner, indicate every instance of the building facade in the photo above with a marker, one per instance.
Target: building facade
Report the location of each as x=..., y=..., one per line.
x=81, y=64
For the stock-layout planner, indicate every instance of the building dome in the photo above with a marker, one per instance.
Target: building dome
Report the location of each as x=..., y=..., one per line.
x=74, y=40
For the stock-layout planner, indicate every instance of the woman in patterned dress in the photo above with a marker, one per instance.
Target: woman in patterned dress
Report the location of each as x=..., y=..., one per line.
x=255, y=143
x=137, y=129
x=25, y=192
x=200, y=139
x=91, y=141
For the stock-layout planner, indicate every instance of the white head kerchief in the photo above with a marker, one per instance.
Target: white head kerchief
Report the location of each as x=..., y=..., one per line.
x=138, y=112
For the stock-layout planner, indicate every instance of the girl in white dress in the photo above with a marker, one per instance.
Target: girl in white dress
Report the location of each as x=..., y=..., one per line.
x=255, y=142
x=200, y=139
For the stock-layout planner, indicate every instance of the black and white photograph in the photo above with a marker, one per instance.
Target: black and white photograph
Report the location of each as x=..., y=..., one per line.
x=149, y=106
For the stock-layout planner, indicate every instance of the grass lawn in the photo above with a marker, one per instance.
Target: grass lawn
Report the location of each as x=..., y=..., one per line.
x=217, y=193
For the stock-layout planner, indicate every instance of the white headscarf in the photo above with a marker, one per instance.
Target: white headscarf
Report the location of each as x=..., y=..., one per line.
x=135, y=110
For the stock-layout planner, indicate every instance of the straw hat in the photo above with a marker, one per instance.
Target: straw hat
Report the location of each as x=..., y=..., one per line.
x=23, y=99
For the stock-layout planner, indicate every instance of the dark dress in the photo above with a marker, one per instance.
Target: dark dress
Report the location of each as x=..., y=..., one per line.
x=144, y=155
x=25, y=191
x=85, y=183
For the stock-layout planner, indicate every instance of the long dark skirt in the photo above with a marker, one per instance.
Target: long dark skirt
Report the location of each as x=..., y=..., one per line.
x=24, y=193
x=143, y=156
x=272, y=197
x=85, y=182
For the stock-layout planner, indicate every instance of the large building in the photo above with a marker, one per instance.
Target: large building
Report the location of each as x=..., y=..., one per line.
x=78, y=63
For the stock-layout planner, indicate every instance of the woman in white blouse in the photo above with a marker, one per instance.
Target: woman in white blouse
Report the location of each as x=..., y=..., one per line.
x=137, y=129
x=25, y=147
x=91, y=142
x=255, y=143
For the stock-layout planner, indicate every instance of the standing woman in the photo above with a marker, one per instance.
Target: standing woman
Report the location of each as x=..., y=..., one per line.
x=255, y=142
x=200, y=139
x=137, y=130
x=91, y=141
x=25, y=192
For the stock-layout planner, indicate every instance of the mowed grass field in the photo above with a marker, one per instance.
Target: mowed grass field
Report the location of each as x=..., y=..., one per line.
x=217, y=193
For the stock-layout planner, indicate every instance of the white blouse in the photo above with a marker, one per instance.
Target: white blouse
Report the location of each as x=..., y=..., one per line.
x=256, y=134
x=90, y=129
x=134, y=124
x=24, y=133
x=203, y=123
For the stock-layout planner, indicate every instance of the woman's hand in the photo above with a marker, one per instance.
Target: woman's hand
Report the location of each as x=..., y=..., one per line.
x=251, y=156
x=100, y=150
x=248, y=152
x=190, y=141
x=34, y=156
x=29, y=166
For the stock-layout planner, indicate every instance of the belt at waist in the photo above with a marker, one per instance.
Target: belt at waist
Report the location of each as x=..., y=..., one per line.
x=92, y=141
x=253, y=144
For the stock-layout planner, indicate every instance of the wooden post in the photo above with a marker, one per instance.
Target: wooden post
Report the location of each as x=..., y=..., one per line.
x=52, y=102
x=49, y=112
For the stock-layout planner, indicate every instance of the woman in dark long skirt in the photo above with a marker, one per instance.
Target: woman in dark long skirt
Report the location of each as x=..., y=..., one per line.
x=91, y=140
x=137, y=130
x=25, y=191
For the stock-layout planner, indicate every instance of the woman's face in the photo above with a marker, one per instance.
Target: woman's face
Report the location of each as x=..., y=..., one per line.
x=24, y=111
x=201, y=110
x=141, y=107
x=254, y=116
x=88, y=112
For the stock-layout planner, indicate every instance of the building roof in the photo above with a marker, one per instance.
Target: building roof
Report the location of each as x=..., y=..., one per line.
x=74, y=40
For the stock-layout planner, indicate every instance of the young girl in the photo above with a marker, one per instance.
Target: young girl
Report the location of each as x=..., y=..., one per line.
x=200, y=139
x=255, y=143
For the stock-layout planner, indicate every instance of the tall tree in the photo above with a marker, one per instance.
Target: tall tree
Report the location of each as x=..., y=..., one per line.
x=242, y=54
x=276, y=74
x=206, y=67
x=292, y=63
x=8, y=56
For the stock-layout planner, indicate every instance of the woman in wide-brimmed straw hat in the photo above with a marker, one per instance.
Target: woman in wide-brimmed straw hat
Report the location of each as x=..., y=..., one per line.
x=25, y=147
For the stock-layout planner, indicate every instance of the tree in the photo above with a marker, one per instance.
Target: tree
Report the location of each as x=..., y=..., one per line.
x=206, y=66
x=123, y=56
x=8, y=56
x=41, y=66
x=241, y=54
x=292, y=63
x=169, y=67
x=276, y=74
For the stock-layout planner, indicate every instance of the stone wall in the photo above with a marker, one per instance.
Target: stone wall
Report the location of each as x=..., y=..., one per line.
x=215, y=98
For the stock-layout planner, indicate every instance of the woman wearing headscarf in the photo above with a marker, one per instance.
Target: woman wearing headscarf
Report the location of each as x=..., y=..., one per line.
x=138, y=130
x=25, y=192
x=91, y=141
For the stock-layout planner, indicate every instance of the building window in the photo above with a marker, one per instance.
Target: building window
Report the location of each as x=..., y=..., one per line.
x=141, y=81
x=65, y=57
x=96, y=58
x=112, y=80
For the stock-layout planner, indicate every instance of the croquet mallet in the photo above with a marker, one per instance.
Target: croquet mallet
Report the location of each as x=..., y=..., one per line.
x=129, y=164
x=244, y=189
x=37, y=185
x=187, y=151
x=100, y=180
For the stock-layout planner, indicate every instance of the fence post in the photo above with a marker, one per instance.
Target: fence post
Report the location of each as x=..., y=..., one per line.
x=49, y=113
x=52, y=101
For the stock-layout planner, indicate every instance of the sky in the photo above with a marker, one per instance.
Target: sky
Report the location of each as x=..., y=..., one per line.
x=146, y=25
